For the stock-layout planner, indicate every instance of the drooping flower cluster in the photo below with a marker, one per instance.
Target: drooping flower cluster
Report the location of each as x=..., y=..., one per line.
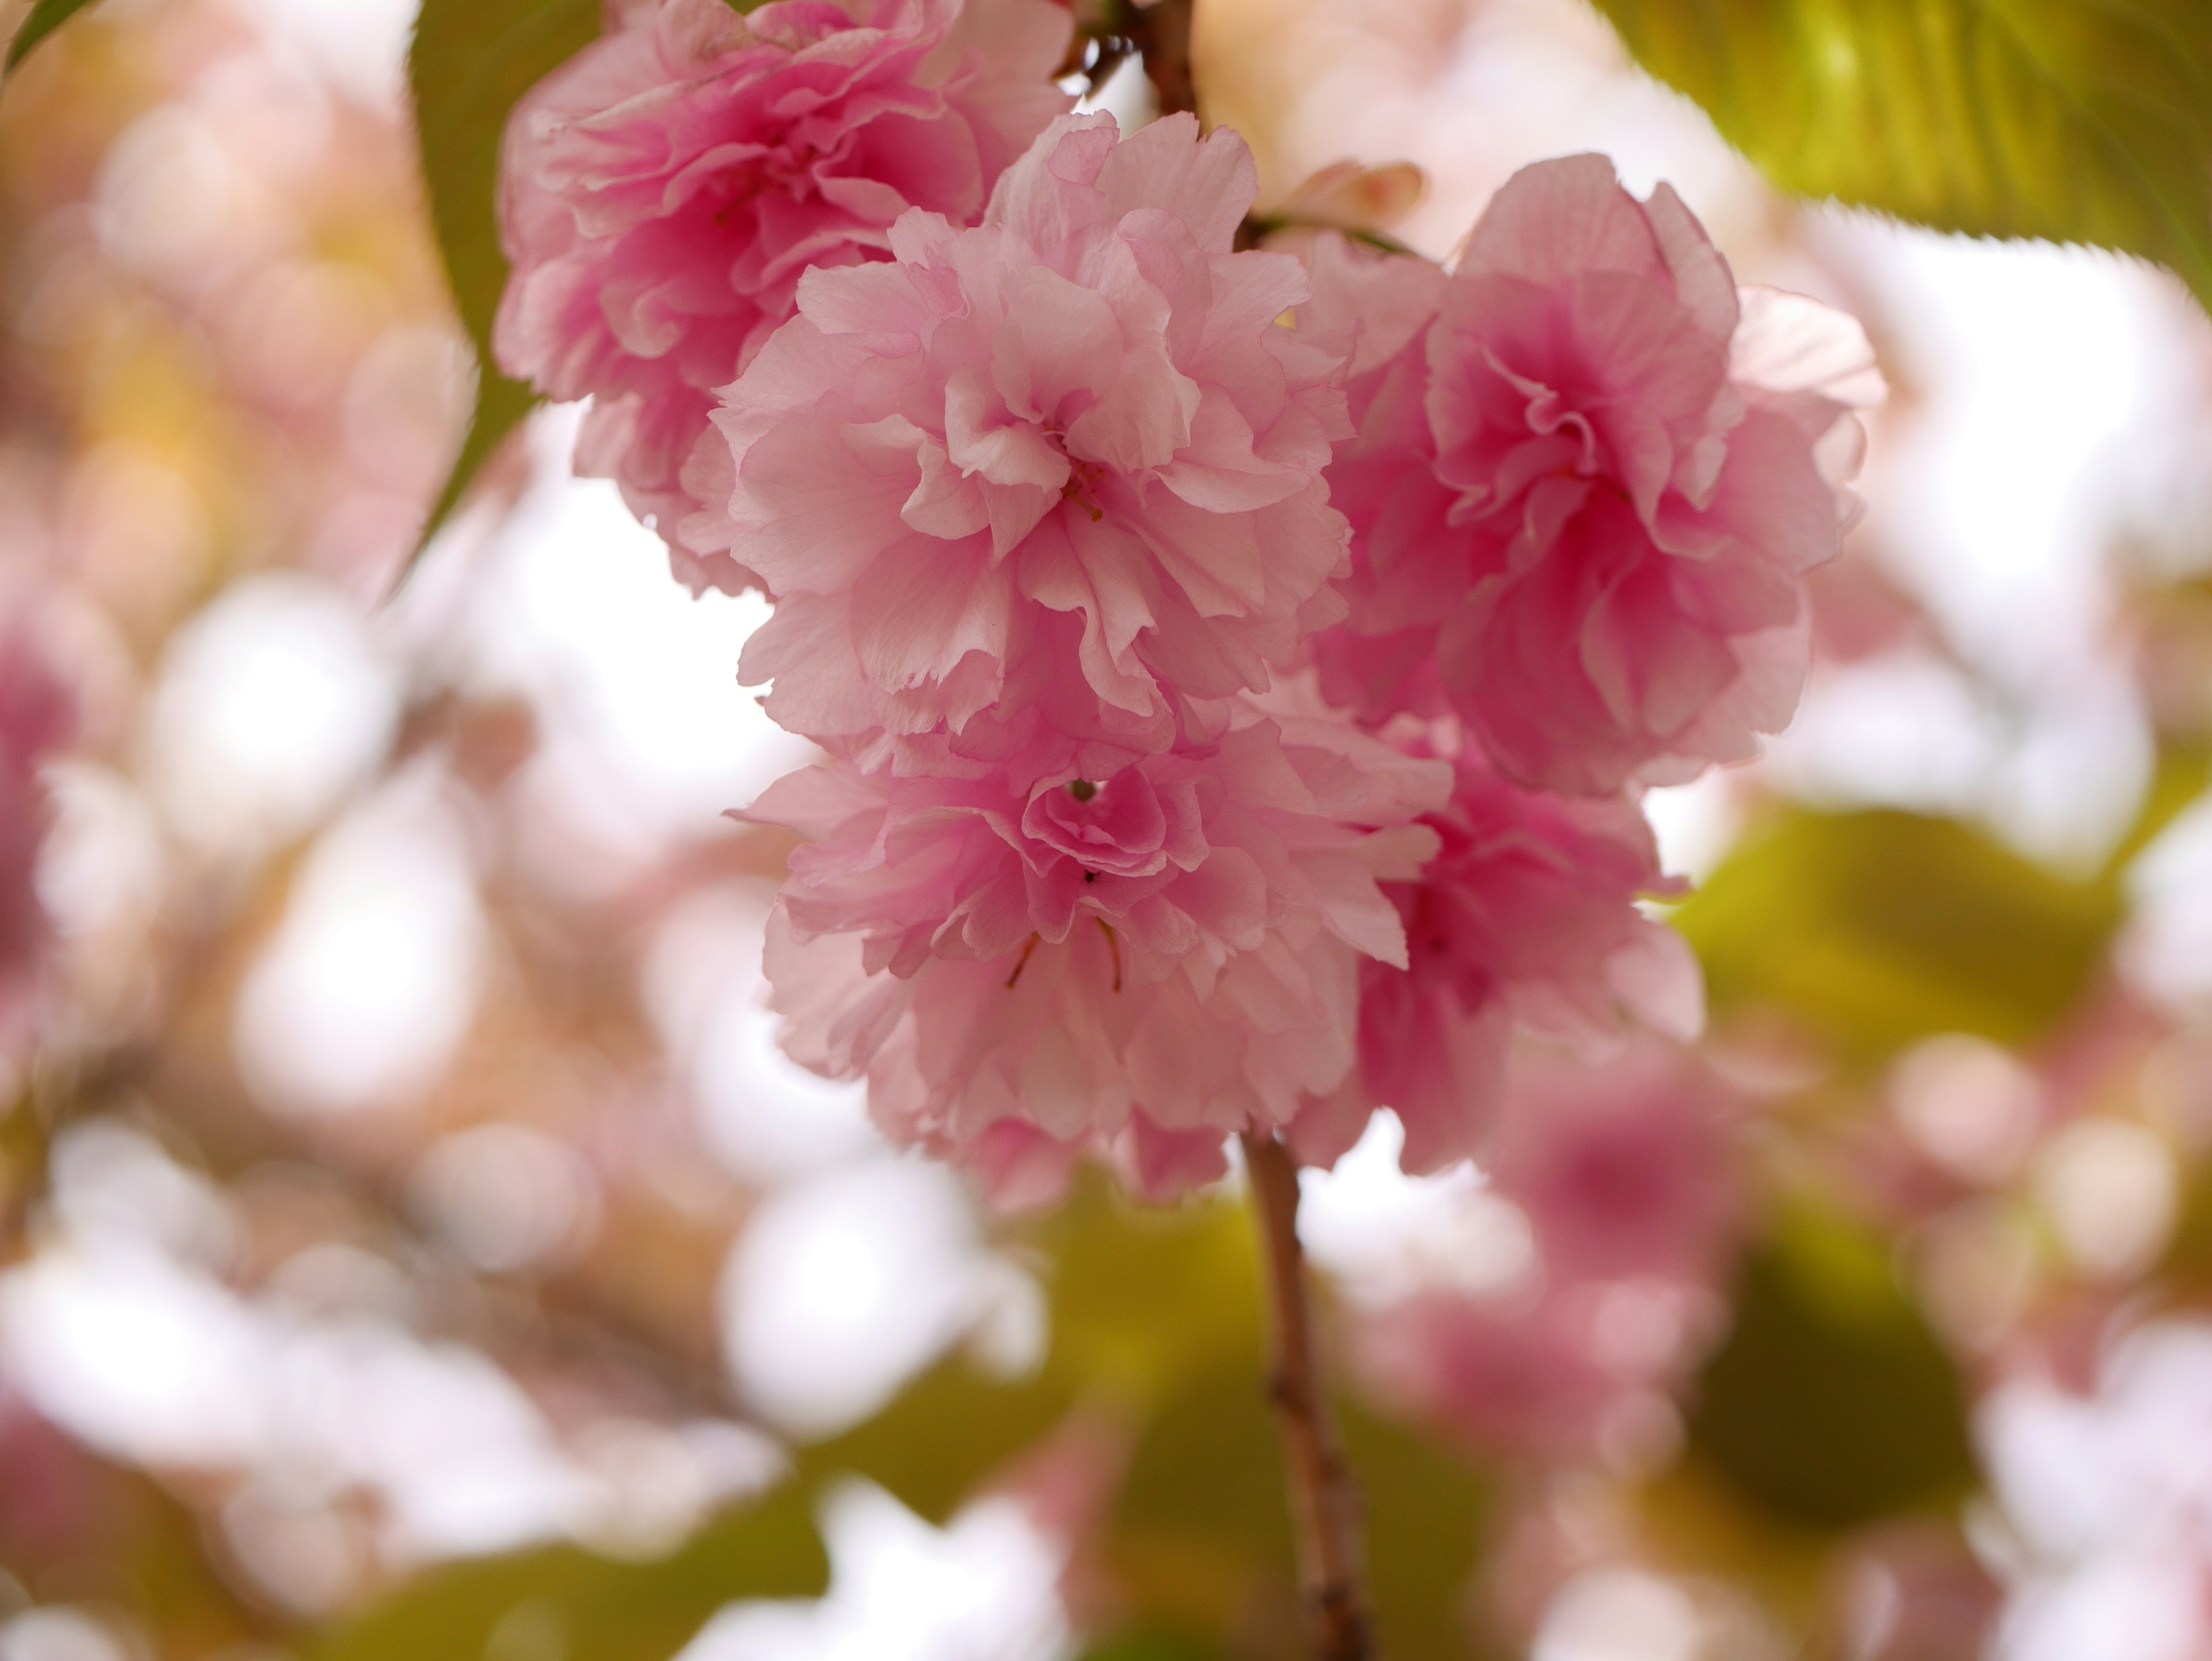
x=665, y=189
x=1162, y=802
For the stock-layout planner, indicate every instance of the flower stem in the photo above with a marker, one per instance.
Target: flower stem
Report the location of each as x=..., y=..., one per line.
x=1324, y=1504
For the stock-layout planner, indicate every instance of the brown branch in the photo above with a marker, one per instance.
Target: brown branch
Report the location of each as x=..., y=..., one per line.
x=1161, y=32
x=1324, y=1504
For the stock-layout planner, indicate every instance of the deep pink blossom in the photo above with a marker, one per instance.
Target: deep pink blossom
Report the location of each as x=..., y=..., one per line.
x=665, y=191
x=1066, y=460
x=1586, y=491
x=1164, y=945
x=1526, y=921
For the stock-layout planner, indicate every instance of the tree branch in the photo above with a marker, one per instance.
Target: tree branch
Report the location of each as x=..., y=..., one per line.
x=1324, y=1504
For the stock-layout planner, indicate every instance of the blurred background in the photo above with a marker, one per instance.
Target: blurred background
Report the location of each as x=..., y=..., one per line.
x=412, y=1243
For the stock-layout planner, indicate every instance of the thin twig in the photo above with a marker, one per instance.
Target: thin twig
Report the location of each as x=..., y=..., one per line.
x=1161, y=33
x=1324, y=1504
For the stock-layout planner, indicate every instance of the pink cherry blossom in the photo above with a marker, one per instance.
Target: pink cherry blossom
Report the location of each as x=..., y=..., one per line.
x=1586, y=492
x=1148, y=952
x=1066, y=460
x=1526, y=921
x=665, y=191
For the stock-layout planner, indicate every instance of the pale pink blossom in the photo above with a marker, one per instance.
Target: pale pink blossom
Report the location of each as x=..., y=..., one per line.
x=1585, y=492
x=1148, y=949
x=1066, y=460
x=1525, y=922
x=664, y=191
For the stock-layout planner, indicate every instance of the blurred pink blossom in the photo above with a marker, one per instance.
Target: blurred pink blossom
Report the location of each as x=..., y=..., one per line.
x=1586, y=491
x=1624, y=1169
x=665, y=191
x=1064, y=461
x=37, y=717
x=1630, y=1187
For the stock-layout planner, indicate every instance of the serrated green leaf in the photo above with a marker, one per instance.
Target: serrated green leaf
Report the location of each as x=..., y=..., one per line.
x=588, y=1608
x=1877, y=928
x=1831, y=1405
x=469, y=64
x=2074, y=120
x=45, y=17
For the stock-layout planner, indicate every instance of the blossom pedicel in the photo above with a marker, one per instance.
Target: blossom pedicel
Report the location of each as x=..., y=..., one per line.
x=665, y=189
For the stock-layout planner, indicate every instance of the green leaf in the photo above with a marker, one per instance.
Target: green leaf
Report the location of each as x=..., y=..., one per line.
x=45, y=17
x=1831, y=1405
x=2077, y=120
x=564, y=1601
x=1425, y=1512
x=1143, y=1297
x=2177, y=779
x=943, y=1435
x=1877, y=928
x=470, y=61
x=1153, y=1646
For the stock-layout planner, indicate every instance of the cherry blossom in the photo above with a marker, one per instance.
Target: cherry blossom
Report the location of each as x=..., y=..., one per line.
x=665, y=190
x=1172, y=944
x=1526, y=921
x=1066, y=461
x=1586, y=491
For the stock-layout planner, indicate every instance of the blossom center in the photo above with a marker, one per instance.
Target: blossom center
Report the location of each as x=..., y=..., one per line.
x=1116, y=827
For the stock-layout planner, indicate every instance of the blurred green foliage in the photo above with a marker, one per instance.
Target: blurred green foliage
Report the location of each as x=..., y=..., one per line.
x=591, y=1608
x=2055, y=119
x=470, y=61
x=1877, y=928
x=1831, y=1404
x=1155, y=1330
x=45, y=16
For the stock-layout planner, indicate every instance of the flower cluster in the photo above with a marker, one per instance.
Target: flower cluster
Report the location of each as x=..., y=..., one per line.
x=1235, y=670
